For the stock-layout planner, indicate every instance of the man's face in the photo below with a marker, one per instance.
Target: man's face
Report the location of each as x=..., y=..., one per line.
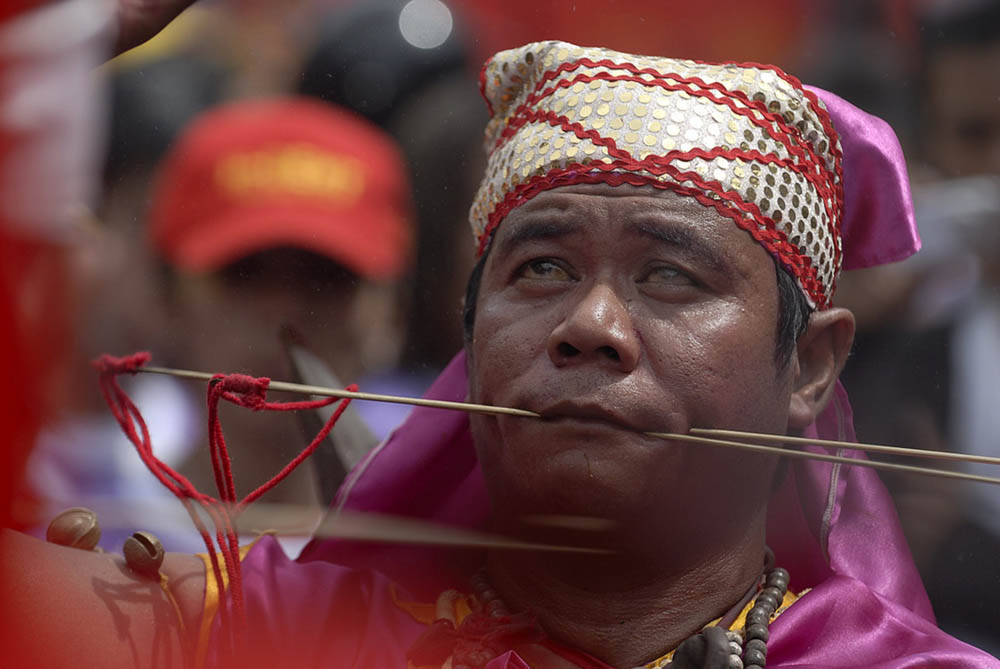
x=963, y=132
x=613, y=311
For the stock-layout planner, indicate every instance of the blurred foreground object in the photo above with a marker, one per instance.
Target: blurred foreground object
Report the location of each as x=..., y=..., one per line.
x=49, y=134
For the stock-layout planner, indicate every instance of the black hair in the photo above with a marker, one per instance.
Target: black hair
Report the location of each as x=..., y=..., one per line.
x=793, y=310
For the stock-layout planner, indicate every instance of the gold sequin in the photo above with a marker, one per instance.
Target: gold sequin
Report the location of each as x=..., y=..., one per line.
x=634, y=124
x=602, y=110
x=631, y=137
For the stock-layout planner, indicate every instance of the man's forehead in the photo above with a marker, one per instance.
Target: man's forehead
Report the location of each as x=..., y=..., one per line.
x=637, y=208
x=625, y=199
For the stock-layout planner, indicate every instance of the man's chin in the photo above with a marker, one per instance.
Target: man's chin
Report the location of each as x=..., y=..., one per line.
x=580, y=483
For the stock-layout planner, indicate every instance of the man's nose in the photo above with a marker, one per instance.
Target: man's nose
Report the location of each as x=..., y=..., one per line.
x=598, y=329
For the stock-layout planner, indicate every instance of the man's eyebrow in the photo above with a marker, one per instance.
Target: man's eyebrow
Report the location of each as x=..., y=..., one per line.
x=531, y=230
x=684, y=240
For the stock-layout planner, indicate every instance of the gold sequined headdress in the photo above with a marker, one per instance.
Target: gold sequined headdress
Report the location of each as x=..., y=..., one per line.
x=746, y=139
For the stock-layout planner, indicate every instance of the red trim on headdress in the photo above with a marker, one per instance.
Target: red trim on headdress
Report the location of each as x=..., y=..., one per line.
x=482, y=87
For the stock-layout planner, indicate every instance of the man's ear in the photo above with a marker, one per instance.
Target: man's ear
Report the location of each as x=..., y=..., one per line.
x=820, y=354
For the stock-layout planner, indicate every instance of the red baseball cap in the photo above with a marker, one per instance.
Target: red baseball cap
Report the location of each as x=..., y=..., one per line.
x=253, y=175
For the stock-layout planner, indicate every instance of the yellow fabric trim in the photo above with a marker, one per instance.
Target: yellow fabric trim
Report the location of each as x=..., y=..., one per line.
x=426, y=613
x=462, y=609
x=210, y=604
x=422, y=612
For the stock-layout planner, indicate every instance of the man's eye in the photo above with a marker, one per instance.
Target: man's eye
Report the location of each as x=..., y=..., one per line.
x=543, y=269
x=666, y=275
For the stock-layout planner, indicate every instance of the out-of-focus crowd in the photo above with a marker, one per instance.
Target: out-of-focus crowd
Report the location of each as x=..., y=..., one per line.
x=264, y=175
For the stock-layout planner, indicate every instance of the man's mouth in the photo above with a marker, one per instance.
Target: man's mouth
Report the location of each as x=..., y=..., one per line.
x=590, y=413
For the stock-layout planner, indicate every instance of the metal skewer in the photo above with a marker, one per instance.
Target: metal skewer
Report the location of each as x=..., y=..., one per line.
x=693, y=437
x=828, y=443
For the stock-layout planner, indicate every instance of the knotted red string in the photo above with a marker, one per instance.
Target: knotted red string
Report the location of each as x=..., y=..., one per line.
x=242, y=390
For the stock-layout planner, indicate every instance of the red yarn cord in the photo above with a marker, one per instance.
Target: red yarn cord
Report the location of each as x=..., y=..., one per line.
x=221, y=462
x=239, y=389
x=308, y=450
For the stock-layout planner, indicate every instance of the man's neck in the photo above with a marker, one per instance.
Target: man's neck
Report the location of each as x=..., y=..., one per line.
x=628, y=613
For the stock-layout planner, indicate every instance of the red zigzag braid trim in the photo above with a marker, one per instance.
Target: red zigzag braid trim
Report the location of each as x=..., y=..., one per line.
x=810, y=164
x=662, y=80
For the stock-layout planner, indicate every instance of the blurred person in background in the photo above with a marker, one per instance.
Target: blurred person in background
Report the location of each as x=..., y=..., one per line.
x=927, y=360
x=952, y=363
x=284, y=213
x=264, y=214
